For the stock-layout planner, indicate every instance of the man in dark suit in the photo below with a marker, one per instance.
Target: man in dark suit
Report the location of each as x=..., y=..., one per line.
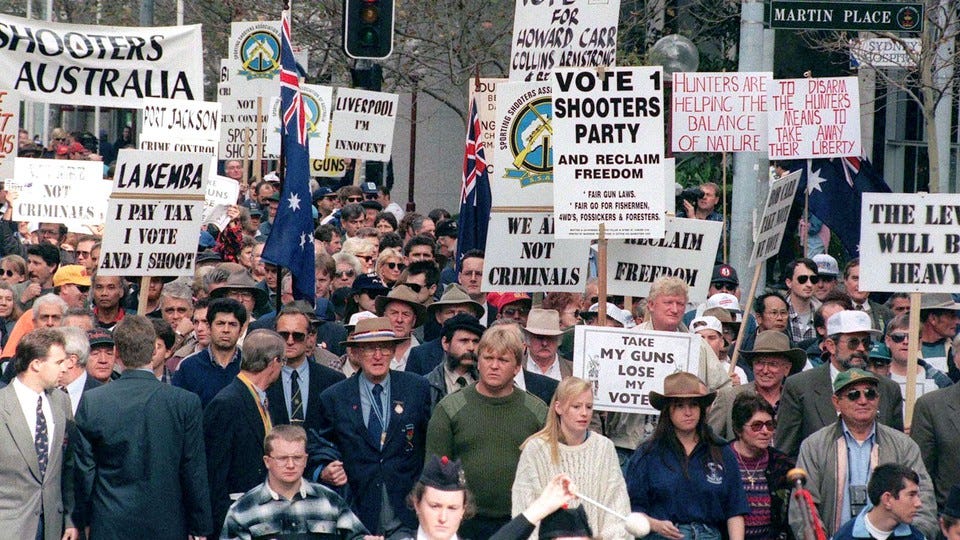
x=377, y=419
x=236, y=421
x=140, y=459
x=75, y=380
x=455, y=300
x=936, y=430
x=806, y=404
x=295, y=397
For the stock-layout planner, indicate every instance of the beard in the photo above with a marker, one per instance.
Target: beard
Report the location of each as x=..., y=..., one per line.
x=855, y=360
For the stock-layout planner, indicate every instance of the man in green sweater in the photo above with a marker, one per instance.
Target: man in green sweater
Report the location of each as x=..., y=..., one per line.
x=484, y=425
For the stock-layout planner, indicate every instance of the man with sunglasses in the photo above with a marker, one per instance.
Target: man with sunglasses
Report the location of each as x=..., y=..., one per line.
x=897, y=340
x=805, y=402
x=839, y=457
x=326, y=202
x=801, y=283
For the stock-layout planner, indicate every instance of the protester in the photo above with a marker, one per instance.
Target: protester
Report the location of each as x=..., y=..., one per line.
x=894, y=494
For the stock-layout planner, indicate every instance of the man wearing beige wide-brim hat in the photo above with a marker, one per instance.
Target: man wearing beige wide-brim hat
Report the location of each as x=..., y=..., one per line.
x=455, y=300
x=542, y=336
x=405, y=312
x=938, y=326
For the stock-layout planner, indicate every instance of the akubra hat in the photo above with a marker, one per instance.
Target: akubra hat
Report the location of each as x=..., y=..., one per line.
x=243, y=281
x=404, y=294
x=682, y=385
x=375, y=330
x=455, y=295
x=543, y=322
x=776, y=343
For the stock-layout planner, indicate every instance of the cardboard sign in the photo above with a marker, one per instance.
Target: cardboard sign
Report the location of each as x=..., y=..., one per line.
x=72, y=192
x=608, y=167
x=626, y=365
x=196, y=146
x=485, y=92
x=9, y=132
x=154, y=214
x=330, y=167
x=238, y=136
x=720, y=112
x=254, y=59
x=176, y=119
x=222, y=192
x=105, y=66
x=523, y=161
x=522, y=255
x=572, y=33
x=776, y=212
x=910, y=242
x=688, y=251
x=317, y=102
x=362, y=126
x=814, y=118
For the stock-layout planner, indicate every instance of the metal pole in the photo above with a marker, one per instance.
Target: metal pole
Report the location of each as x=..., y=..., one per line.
x=411, y=181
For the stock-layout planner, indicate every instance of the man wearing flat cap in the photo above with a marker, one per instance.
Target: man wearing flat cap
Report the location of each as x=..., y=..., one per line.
x=460, y=337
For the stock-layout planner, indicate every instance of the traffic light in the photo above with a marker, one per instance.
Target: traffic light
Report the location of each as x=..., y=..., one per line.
x=368, y=28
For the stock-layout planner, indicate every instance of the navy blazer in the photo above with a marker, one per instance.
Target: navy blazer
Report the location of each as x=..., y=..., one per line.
x=540, y=385
x=398, y=465
x=321, y=378
x=424, y=357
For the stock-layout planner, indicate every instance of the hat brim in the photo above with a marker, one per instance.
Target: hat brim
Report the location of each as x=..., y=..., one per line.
x=659, y=401
x=543, y=331
x=261, y=299
x=439, y=304
x=349, y=342
x=797, y=357
x=418, y=309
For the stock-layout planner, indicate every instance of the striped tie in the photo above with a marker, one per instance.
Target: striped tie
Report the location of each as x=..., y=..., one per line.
x=40, y=440
x=296, y=400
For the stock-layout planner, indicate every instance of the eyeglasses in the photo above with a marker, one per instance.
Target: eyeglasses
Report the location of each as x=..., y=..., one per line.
x=83, y=288
x=396, y=265
x=803, y=279
x=367, y=258
x=345, y=273
x=854, y=343
x=729, y=287
x=9, y=273
x=287, y=460
x=898, y=337
x=354, y=199
x=755, y=427
x=298, y=337
x=382, y=349
x=870, y=393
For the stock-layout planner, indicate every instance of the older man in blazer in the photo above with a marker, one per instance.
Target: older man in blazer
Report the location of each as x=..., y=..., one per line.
x=36, y=480
x=936, y=430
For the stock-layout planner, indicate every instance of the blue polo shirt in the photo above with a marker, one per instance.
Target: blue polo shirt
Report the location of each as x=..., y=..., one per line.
x=710, y=492
x=200, y=374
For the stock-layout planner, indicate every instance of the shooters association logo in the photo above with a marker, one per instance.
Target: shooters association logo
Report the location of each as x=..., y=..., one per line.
x=258, y=51
x=530, y=141
x=315, y=113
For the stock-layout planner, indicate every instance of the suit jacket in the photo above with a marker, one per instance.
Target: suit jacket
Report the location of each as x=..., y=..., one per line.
x=321, y=378
x=806, y=406
x=719, y=415
x=233, y=435
x=369, y=468
x=540, y=385
x=138, y=438
x=424, y=357
x=24, y=494
x=936, y=430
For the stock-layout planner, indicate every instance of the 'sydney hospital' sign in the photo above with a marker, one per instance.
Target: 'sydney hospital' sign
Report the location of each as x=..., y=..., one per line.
x=108, y=66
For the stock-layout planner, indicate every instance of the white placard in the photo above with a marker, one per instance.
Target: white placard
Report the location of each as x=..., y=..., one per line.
x=626, y=365
x=522, y=255
x=106, y=66
x=688, y=251
x=238, y=135
x=177, y=119
x=485, y=92
x=523, y=162
x=72, y=192
x=254, y=59
x=362, y=126
x=222, y=192
x=720, y=112
x=910, y=242
x=186, y=144
x=160, y=174
x=317, y=102
x=608, y=159
x=773, y=221
x=9, y=132
x=885, y=52
x=572, y=33
x=813, y=118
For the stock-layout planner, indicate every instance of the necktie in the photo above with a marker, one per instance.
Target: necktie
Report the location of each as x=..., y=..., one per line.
x=859, y=307
x=296, y=400
x=461, y=382
x=374, y=425
x=40, y=441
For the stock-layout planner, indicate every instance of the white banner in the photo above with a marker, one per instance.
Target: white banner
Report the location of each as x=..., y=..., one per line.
x=72, y=192
x=317, y=103
x=626, y=365
x=910, y=242
x=176, y=119
x=222, y=192
x=254, y=60
x=523, y=163
x=688, y=251
x=813, y=118
x=608, y=165
x=362, y=126
x=106, y=66
x=572, y=33
x=720, y=112
x=773, y=221
x=522, y=255
x=9, y=132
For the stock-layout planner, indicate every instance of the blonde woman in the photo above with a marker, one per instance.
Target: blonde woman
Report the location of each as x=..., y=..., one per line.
x=363, y=250
x=390, y=265
x=566, y=445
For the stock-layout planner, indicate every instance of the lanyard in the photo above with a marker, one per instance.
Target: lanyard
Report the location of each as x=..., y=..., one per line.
x=267, y=426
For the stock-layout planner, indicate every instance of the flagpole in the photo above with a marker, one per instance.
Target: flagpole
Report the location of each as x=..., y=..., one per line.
x=281, y=174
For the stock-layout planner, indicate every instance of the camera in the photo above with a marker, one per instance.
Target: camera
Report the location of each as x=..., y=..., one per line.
x=691, y=195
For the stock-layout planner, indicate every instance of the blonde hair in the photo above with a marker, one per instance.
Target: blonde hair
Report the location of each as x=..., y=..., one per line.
x=388, y=253
x=503, y=339
x=668, y=286
x=568, y=389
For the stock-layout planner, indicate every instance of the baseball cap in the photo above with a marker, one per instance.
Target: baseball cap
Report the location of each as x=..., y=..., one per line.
x=447, y=227
x=71, y=273
x=498, y=300
x=368, y=188
x=320, y=193
x=851, y=376
x=826, y=265
x=706, y=322
x=99, y=336
x=724, y=273
x=850, y=321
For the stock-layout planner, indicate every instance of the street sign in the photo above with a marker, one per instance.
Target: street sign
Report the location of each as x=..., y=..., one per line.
x=872, y=16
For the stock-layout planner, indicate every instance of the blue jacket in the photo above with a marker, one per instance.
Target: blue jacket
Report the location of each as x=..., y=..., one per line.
x=855, y=528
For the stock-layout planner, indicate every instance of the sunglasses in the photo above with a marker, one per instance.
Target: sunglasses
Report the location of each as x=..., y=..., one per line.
x=371, y=196
x=729, y=287
x=898, y=338
x=415, y=287
x=298, y=337
x=514, y=311
x=354, y=199
x=396, y=265
x=853, y=343
x=9, y=273
x=803, y=279
x=345, y=274
x=870, y=393
x=755, y=427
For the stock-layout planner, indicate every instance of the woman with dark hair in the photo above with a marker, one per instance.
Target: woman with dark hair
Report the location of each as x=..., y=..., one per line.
x=385, y=222
x=763, y=469
x=684, y=478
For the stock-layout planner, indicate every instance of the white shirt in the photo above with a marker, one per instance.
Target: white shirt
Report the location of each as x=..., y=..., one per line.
x=519, y=381
x=422, y=535
x=400, y=363
x=75, y=389
x=28, y=404
x=553, y=371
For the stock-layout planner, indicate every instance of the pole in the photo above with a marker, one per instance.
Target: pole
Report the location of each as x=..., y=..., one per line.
x=142, y=297
x=258, y=163
x=913, y=350
x=602, y=275
x=746, y=314
x=724, y=232
x=411, y=181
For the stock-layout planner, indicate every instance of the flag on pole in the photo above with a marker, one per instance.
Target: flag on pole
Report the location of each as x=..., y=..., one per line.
x=475, y=198
x=290, y=243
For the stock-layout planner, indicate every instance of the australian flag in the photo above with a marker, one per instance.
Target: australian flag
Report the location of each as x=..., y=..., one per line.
x=290, y=243
x=475, y=199
x=835, y=187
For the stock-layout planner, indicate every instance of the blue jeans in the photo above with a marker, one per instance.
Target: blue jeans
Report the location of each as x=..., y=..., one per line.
x=693, y=531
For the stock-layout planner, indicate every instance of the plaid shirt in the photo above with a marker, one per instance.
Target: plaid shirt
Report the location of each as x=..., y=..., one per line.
x=801, y=326
x=262, y=513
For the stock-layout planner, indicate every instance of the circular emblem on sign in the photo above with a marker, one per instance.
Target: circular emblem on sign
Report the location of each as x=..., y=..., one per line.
x=258, y=51
x=908, y=18
x=314, y=112
x=531, y=136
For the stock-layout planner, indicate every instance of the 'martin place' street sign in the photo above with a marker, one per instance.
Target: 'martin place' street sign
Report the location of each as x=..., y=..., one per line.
x=872, y=16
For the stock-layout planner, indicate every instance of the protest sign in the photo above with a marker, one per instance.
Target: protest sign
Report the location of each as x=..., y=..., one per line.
x=154, y=214
x=254, y=59
x=330, y=167
x=720, y=112
x=910, y=242
x=626, y=365
x=776, y=212
x=196, y=146
x=813, y=118
x=177, y=119
x=105, y=66
x=688, y=251
x=9, y=132
x=522, y=255
x=523, y=161
x=72, y=192
x=238, y=134
x=362, y=126
x=222, y=192
x=484, y=91
x=317, y=102
x=608, y=164
x=572, y=33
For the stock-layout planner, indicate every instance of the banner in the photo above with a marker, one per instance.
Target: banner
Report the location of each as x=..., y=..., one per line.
x=814, y=118
x=720, y=112
x=910, y=242
x=522, y=255
x=572, y=33
x=626, y=365
x=688, y=251
x=523, y=161
x=317, y=103
x=608, y=166
x=175, y=120
x=72, y=192
x=362, y=126
x=485, y=92
x=773, y=221
x=884, y=52
x=9, y=132
x=106, y=66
